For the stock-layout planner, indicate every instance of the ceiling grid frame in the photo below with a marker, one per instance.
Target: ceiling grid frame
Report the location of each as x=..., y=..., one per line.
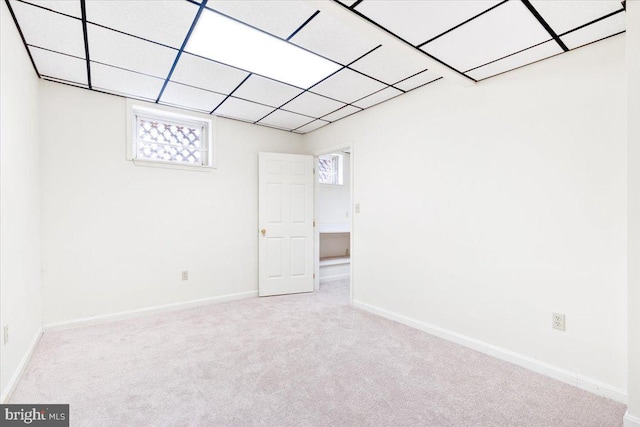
x=83, y=11
x=184, y=44
x=311, y=87
x=602, y=33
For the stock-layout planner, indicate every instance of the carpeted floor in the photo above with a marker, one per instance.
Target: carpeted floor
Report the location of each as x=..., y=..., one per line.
x=299, y=360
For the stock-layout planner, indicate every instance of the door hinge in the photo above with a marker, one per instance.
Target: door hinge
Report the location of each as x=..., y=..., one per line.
x=314, y=275
x=314, y=223
x=314, y=171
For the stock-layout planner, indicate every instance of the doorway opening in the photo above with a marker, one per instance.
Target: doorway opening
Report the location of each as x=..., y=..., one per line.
x=333, y=216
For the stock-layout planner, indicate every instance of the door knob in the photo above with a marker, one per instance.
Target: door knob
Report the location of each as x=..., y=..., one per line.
x=264, y=232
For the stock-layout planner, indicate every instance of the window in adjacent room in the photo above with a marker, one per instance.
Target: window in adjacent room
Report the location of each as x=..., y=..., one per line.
x=330, y=169
x=164, y=137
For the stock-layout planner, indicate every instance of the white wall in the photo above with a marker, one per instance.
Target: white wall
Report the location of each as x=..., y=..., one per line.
x=500, y=204
x=116, y=236
x=20, y=284
x=633, y=209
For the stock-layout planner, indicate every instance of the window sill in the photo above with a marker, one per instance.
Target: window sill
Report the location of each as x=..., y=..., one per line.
x=166, y=165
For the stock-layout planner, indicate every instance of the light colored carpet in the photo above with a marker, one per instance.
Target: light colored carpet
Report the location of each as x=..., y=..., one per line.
x=299, y=360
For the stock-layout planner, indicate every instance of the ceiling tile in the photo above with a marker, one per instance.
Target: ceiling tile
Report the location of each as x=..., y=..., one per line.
x=528, y=56
x=165, y=22
x=312, y=105
x=594, y=32
x=113, y=48
x=343, y=112
x=190, y=97
x=60, y=66
x=347, y=86
x=280, y=18
x=116, y=80
x=565, y=15
x=50, y=30
x=312, y=126
x=378, y=97
x=285, y=120
x=417, y=80
x=266, y=91
x=68, y=7
x=508, y=28
x=332, y=39
x=390, y=65
x=243, y=110
x=419, y=21
x=210, y=75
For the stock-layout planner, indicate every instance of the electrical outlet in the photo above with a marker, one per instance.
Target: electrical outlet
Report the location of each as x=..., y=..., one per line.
x=557, y=321
x=5, y=334
x=185, y=275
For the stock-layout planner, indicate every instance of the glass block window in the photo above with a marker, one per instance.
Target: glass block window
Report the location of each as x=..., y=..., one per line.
x=160, y=136
x=330, y=169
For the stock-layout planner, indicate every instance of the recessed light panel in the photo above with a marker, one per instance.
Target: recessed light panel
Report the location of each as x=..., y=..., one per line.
x=225, y=40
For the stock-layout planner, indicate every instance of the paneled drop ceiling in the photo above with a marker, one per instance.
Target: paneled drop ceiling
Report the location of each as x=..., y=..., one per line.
x=148, y=49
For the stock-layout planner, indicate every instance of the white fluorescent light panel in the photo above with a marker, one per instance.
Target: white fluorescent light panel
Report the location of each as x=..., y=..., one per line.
x=225, y=40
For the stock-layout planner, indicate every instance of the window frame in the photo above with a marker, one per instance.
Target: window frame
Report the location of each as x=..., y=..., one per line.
x=137, y=110
x=338, y=160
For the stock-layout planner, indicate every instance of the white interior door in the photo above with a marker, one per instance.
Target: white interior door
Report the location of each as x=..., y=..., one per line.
x=285, y=216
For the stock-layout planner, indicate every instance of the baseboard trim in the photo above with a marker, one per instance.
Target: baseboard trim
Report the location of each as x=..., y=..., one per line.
x=630, y=420
x=572, y=378
x=13, y=382
x=74, y=323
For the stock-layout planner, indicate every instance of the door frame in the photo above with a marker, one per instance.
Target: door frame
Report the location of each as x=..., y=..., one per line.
x=316, y=234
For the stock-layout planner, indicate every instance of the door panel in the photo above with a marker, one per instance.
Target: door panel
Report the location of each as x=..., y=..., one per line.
x=286, y=223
